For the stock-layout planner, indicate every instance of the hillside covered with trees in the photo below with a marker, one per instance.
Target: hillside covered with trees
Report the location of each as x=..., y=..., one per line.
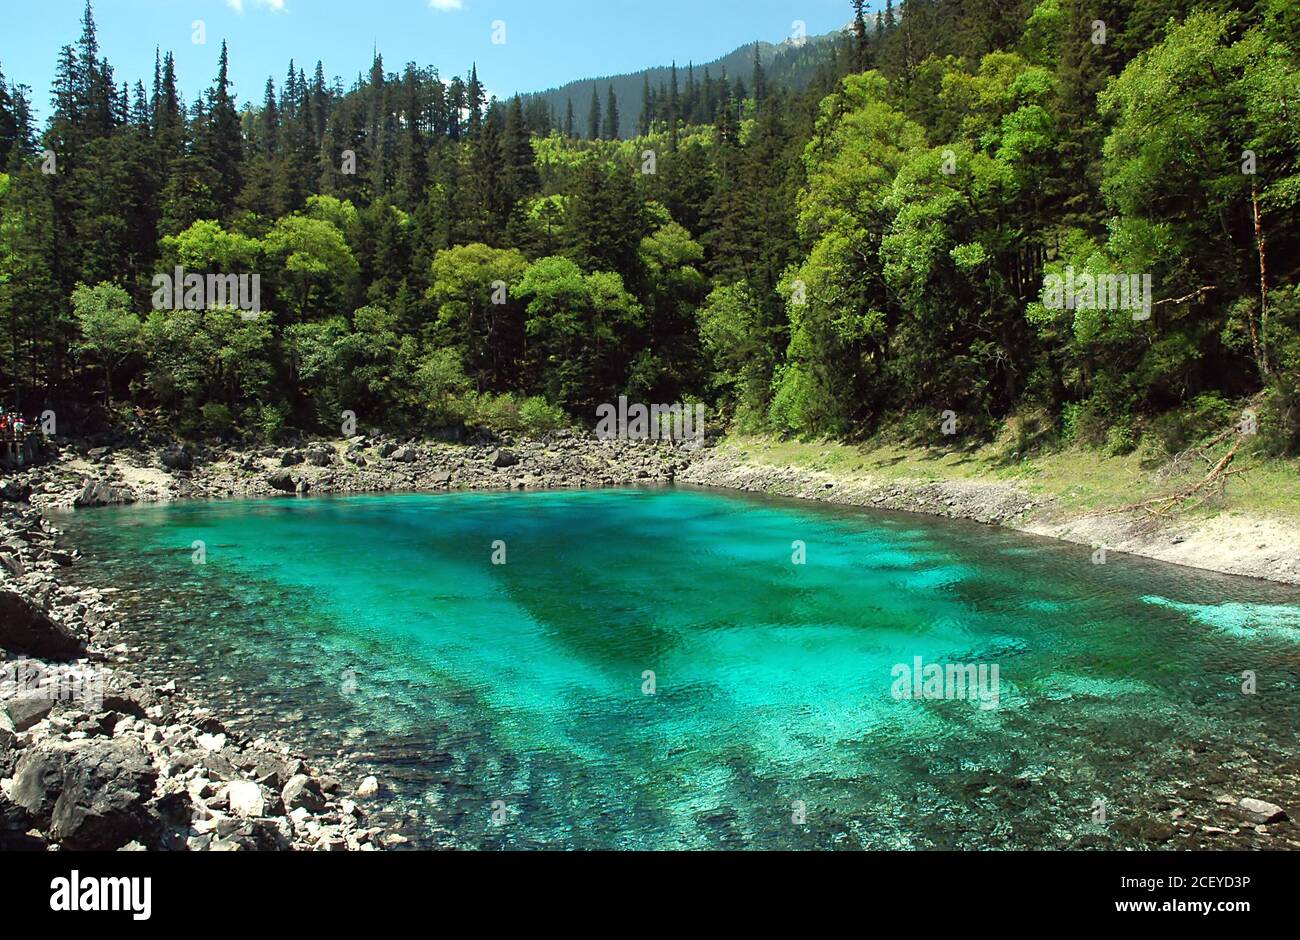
x=868, y=253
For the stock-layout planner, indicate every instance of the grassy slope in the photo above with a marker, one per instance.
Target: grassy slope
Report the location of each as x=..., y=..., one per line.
x=1077, y=480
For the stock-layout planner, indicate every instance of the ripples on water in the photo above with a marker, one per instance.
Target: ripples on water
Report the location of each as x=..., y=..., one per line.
x=378, y=628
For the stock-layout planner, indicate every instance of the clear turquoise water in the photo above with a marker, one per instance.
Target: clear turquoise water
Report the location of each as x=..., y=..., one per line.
x=379, y=628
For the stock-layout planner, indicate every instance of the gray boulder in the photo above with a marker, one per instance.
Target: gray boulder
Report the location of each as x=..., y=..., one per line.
x=26, y=710
x=303, y=792
x=103, y=493
x=283, y=481
x=178, y=458
x=502, y=459
x=14, y=492
x=1259, y=811
x=24, y=628
x=38, y=779
x=320, y=456
x=102, y=805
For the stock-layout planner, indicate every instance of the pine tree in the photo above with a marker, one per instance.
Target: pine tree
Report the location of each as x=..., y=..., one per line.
x=9, y=140
x=220, y=139
x=861, y=50
x=760, y=76
x=476, y=100
x=647, y=106
x=611, y=116
x=593, y=116
x=412, y=171
x=487, y=203
x=268, y=125
x=94, y=89
x=674, y=112
x=520, y=161
x=320, y=102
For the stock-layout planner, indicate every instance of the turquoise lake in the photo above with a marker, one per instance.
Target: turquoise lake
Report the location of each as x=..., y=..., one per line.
x=507, y=706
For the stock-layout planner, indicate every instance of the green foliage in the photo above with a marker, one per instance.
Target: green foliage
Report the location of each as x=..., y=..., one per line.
x=577, y=327
x=1204, y=418
x=200, y=358
x=318, y=269
x=854, y=258
x=111, y=333
x=472, y=292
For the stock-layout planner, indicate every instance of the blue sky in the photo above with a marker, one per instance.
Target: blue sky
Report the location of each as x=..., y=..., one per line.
x=548, y=42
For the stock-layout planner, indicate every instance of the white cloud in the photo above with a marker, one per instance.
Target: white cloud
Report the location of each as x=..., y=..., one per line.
x=275, y=6
x=442, y=6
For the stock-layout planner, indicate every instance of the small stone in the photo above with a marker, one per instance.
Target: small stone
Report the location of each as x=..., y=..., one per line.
x=1262, y=812
x=26, y=710
x=369, y=789
x=246, y=799
x=212, y=742
x=302, y=792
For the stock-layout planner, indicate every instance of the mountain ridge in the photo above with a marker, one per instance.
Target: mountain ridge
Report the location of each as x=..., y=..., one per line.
x=789, y=64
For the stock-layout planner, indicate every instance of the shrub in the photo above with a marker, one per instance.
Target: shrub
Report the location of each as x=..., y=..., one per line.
x=217, y=419
x=537, y=415
x=1122, y=438
x=269, y=422
x=1204, y=417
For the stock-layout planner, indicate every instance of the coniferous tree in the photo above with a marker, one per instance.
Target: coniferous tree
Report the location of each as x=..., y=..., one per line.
x=11, y=140
x=220, y=141
x=861, y=48
x=759, y=78
x=647, y=107
x=593, y=116
x=518, y=157
x=611, y=116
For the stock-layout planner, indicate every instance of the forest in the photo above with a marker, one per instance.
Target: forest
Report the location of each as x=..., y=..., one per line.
x=862, y=255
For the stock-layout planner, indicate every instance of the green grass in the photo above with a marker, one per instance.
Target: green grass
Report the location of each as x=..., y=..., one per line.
x=1077, y=479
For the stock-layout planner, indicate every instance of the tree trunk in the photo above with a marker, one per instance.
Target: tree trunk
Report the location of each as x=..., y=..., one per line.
x=1261, y=351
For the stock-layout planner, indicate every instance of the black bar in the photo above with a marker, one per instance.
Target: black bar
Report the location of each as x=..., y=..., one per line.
x=952, y=892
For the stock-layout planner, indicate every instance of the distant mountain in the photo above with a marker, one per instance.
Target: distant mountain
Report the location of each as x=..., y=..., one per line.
x=788, y=65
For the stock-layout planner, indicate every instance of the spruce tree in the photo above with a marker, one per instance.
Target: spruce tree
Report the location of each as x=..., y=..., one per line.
x=593, y=116
x=611, y=115
x=220, y=138
x=647, y=106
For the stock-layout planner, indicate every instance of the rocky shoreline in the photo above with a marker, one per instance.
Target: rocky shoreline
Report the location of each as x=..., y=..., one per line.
x=1255, y=548
x=92, y=757
x=143, y=765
